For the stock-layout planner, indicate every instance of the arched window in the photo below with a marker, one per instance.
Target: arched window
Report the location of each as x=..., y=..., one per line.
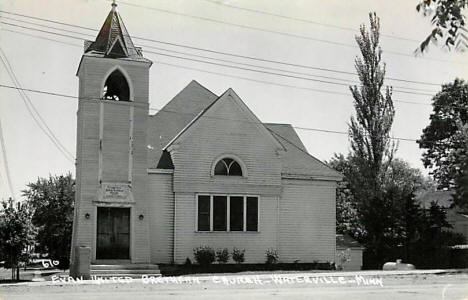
x=228, y=166
x=116, y=87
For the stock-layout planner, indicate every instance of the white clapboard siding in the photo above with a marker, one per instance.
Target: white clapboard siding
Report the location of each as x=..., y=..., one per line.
x=254, y=243
x=115, y=145
x=92, y=74
x=297, y=217
x=161, y=207
x=307, y=221
x=212, y=136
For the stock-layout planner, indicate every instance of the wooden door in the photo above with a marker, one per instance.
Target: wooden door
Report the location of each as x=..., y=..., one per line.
x=113, y=233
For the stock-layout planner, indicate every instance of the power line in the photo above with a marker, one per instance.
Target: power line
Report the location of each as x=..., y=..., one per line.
x=293, y=144
x=302, y=20
x=277, y=32
x=41, y=37
x=237, y=77
x=47, y=26
x=45, y=20
x=273, y=73
x=192, y=114
x=276, y=84
x=240, y=8
x=246, y=78
x=41, y=123
x=5, y=159
x=225, y=53
x=241, y=68
x=348, y=81
x=44, y=31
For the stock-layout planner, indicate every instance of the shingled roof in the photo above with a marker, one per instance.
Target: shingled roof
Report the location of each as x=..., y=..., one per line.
x=443, y=199
x=113, y=40
x=175, y=116
x=344, y=241
x=185, y=107
x=296, y=161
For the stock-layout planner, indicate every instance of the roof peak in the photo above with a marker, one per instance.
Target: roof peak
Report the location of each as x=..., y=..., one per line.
x=113, y=39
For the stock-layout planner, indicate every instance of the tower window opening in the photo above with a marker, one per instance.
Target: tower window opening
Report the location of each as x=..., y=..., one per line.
x=116, y=87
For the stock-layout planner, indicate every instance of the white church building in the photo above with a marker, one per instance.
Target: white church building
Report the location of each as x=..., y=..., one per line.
x=204, y=170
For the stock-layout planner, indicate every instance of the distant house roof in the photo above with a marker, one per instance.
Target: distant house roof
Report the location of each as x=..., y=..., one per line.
x=441, y=198
x=344, y=241
x=185, y=108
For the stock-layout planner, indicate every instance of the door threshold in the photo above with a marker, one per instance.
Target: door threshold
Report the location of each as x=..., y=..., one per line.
x=111, y=261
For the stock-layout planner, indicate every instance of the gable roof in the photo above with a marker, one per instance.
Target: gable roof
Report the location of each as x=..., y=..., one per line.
x=230, y=94
x=296, y=160
x=187, y=107
x=286, y=131
x=344, y=241
x=174, y=117
x=441, y=198
x=113, y=40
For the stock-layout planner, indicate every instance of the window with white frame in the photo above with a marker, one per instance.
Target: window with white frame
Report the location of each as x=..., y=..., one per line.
x=228, y=167
x=227, y=213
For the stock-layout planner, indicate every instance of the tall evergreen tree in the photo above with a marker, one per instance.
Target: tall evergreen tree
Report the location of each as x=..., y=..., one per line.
x=371, y=147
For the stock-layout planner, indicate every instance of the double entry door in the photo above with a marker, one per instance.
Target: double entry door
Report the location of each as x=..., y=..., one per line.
x=113, y=233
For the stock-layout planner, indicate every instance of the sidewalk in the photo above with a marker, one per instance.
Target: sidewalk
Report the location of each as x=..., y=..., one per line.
x=257, y=275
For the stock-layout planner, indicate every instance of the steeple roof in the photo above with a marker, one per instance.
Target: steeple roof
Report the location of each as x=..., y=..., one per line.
x=113, y=39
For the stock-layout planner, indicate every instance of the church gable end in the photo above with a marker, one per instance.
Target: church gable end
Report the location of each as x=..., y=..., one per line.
x=225, y=128
x=174, y=117
x=117, y=49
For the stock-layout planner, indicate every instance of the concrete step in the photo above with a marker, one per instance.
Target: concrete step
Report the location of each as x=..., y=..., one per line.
x=125, y=267
x=133, y=271
x=124, y=270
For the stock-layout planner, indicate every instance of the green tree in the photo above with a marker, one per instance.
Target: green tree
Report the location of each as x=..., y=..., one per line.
x=16, y=235
x=448, y=23
x=347, y=217
x=52, y=203
x=431, y=248
x=403, y=217
x=411, y=232
x=401, y=183
x=444, y=140
x=371, y=147
x=461, y=182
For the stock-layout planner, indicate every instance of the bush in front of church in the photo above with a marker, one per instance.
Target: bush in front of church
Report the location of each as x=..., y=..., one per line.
x=238, y=255
x=222, y=255
x=204, y=255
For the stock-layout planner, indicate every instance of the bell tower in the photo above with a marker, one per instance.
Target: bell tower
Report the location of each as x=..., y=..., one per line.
x=111, y=156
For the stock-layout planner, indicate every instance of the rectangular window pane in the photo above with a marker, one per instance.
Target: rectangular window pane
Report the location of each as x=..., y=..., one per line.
x=252, y=214
x=236, y=213
x=219, y=213
x=203, y=213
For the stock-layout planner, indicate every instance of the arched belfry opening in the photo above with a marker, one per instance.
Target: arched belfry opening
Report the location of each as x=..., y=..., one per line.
x=116, y=87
